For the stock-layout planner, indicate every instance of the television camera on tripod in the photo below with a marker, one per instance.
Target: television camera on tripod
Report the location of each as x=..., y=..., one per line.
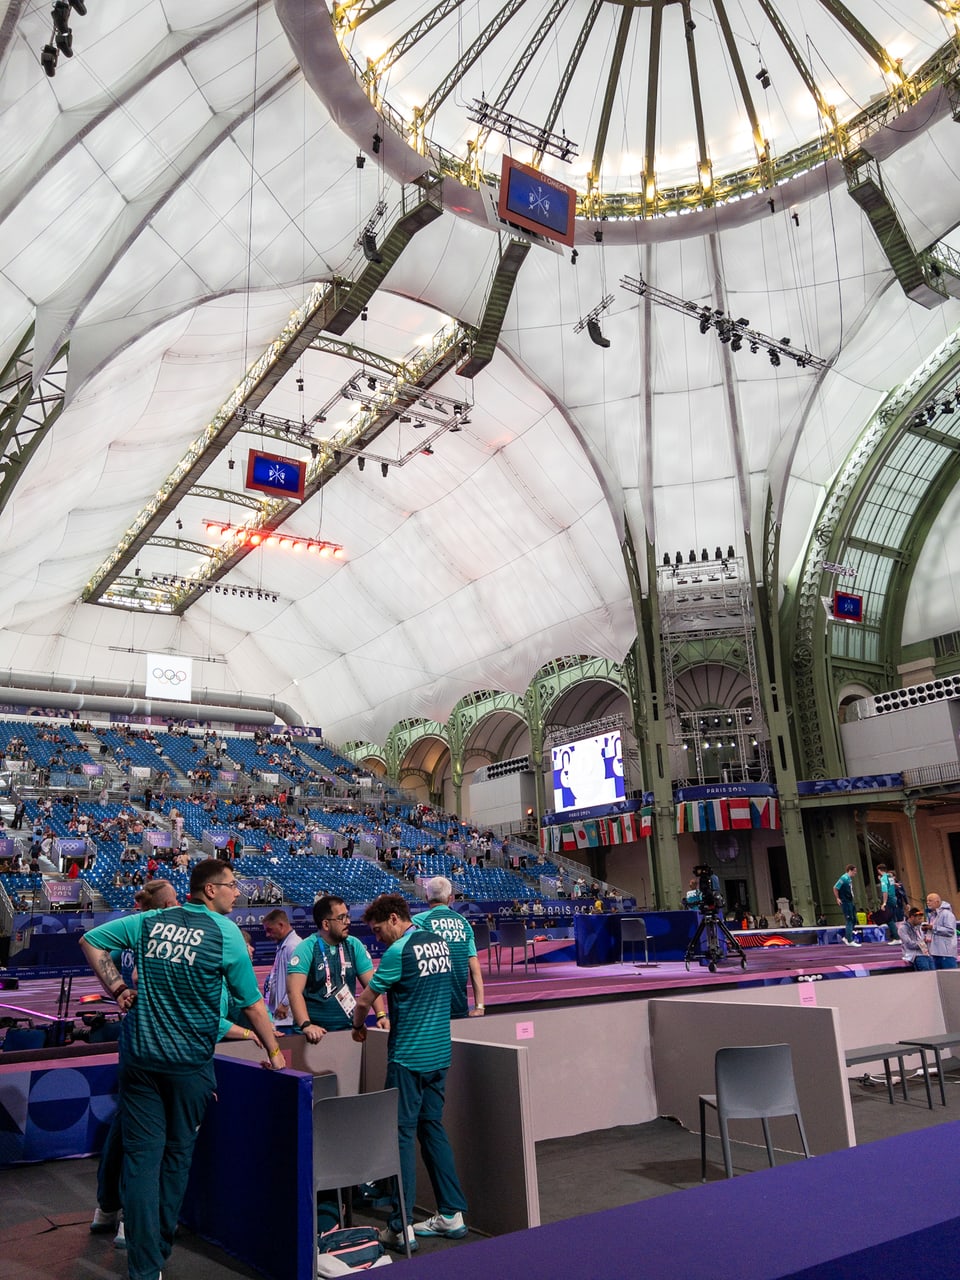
x=709, y=901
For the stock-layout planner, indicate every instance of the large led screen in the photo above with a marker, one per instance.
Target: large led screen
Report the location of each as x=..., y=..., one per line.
x=588, y=773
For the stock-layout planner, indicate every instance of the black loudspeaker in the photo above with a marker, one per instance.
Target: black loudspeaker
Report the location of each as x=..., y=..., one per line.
x=9, y=984
x=596, y=334
x=368, y=242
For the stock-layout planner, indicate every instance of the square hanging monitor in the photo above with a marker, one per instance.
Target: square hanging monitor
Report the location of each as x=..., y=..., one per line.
x=277, y=476
x=533, y=201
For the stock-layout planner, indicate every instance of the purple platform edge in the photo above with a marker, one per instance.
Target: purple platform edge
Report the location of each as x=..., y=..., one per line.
x=849, y=1215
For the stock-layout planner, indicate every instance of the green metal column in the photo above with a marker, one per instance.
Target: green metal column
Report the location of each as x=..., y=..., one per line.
x=645, y=675
x=910, y=809
x=533, y=711
x=770, y=676
x=831, y=838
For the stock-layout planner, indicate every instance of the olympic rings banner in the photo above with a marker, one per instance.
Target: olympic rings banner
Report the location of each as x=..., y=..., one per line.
x=169, y=677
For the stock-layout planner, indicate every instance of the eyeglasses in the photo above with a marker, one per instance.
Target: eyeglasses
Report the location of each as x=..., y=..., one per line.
x=340, y=919
x=227, y=884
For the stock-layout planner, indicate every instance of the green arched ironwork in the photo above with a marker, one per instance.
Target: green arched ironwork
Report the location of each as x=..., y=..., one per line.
x=875, y=520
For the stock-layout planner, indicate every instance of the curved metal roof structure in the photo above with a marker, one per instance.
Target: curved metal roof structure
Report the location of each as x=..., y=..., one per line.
x=183, y=208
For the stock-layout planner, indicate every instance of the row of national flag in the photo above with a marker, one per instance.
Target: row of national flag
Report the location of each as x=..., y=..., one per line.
x=738, y=813
x=595, y=833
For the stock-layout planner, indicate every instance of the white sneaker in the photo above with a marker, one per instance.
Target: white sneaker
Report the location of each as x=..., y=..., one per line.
x=120, y=1239
x=893, y=943
x=103, y=1221
x=441, y=1224
x=847, y=943
x=394, y=1239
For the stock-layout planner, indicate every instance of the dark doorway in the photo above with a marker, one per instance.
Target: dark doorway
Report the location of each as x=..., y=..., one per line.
x=737, y=895
x=779, y=874
x=953, y=839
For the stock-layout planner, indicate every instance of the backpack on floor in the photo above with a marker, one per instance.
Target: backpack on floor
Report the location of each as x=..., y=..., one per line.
x=345, y=1249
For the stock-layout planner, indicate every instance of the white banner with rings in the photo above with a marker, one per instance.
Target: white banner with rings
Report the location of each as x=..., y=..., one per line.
x=169, y=677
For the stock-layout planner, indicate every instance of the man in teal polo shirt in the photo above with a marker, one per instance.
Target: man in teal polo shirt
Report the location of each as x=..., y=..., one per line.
x=457, y=933
x=416, y=973
x=184, y=958
x=323, y=972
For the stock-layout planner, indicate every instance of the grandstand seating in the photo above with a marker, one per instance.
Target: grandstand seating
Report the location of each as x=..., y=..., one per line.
x=137, y=750
x=41, y=751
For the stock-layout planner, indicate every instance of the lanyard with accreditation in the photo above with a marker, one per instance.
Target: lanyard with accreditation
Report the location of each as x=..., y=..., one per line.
x=343, y=995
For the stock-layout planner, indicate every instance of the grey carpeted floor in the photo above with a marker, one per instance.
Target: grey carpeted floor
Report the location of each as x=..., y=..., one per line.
x=45, y=1209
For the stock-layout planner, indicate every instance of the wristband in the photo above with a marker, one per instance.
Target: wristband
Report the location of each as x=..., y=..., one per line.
x=119, y=991
x=273, y=1052
x=381, y=1017
x=246, y=1033
x=302, y=1026
x=479, y=1006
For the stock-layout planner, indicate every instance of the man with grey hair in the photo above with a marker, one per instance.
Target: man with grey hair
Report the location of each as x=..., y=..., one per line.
x=277, y=927
x=456, y=932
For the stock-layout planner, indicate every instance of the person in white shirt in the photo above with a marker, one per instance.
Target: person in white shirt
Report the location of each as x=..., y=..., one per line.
x=277, y=927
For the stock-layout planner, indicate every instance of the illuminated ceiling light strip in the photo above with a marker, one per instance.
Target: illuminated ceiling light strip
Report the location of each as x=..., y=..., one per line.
x=256, y=536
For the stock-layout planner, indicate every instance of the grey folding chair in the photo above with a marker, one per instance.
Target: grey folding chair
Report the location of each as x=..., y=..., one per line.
x=754, y=1082
x=513, y=934
x=355, y=1141
x=634, y=931
x=481, y=938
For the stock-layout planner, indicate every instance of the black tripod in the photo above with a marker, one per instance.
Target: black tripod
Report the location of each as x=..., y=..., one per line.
x=712, y=925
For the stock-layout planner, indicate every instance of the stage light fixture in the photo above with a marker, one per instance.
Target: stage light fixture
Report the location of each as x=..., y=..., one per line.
x=418, y=426
x=574, y=255
x=371, y=384
x=79, y=6
x=361, y=463
x=230, y=464
x=730, y=553
x=363, y=315
x=703, y=554
x=64, y=42
x=764, y=77
x=48, y=59
x=377, y=143
x=337, y=455
x=384, y=468
x=775, y=359
x=361, y=159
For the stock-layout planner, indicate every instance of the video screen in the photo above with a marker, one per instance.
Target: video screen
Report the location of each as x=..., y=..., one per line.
x=272, y=474
x=536, y=202
x=588, y=773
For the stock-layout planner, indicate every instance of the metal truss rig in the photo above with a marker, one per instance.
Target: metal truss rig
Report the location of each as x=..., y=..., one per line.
x=732, y=332
x=27, y=412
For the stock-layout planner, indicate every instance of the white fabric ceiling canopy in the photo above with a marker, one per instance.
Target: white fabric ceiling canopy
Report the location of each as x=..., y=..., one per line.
x=171, y=195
